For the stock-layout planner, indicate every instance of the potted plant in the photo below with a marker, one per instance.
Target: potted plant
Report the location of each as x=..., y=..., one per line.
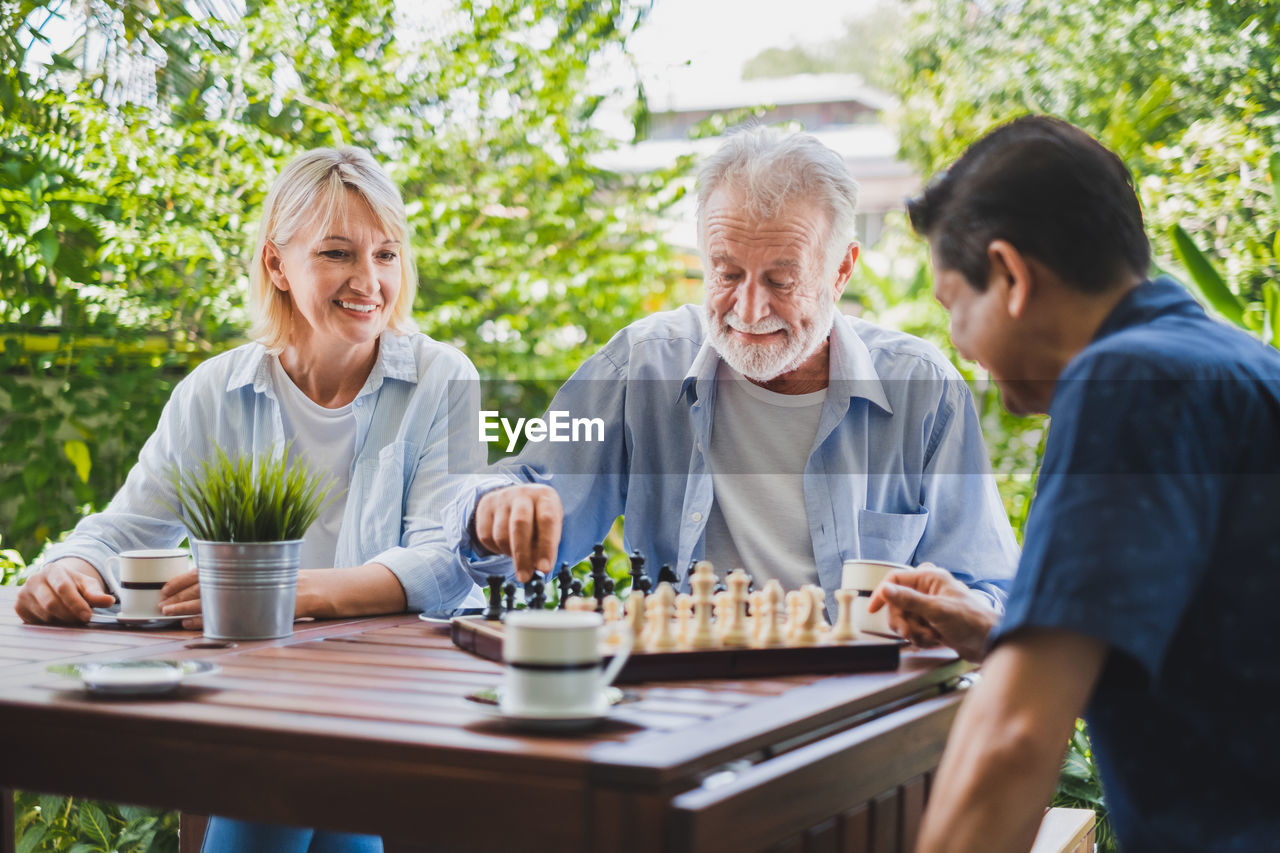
x=246, y=516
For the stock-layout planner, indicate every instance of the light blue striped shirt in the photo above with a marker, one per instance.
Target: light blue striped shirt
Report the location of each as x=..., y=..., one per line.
x=898, y=470
x=400, y=476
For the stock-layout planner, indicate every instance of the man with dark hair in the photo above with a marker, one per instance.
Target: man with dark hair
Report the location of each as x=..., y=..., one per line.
x=1151, y=564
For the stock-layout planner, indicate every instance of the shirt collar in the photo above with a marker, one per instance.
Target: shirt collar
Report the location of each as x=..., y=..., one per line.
x=852, y=372
x=1142, y=304
x=395, y=361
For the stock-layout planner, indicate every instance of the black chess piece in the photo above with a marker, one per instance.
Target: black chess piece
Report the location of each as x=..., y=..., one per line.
x=509, y=593
x=667, y=575
x=494, y=613
x=598, y=575
x=639, y=580
x=564, y=578
x=535, y=592
x=576, y=587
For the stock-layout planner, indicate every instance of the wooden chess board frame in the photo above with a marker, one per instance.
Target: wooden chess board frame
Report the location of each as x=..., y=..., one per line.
x=479, y=636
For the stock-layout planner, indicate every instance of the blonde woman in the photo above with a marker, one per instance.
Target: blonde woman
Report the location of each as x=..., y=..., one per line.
x=336, y=374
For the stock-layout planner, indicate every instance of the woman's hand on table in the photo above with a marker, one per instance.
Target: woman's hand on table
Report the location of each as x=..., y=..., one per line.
x=929, y=607
x=63, y=591
x=181, y=597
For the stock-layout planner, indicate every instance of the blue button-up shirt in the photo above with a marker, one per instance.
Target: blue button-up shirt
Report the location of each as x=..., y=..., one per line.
x=400, y=474
x=898, y=470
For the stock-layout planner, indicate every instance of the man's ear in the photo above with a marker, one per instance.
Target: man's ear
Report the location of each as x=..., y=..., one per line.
x=274, y=262
x=1011, y=273
x=845, y=269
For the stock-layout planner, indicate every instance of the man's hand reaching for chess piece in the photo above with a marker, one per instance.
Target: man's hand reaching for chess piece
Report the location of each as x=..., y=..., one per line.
x=522, y=522
x=929, y=607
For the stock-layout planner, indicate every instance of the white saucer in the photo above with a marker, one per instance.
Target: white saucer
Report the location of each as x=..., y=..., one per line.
x=559, y=721
x=133, y=677
x=106, y=617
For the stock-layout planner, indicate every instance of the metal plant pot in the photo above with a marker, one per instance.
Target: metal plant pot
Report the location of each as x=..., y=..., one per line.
x=247, y=589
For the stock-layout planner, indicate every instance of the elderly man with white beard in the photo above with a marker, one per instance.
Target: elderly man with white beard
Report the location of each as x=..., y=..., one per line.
x=762, y=429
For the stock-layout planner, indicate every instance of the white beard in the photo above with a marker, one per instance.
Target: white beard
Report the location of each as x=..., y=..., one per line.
x=766, y=362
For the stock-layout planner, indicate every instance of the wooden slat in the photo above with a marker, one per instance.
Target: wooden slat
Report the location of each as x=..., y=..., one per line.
x=886, y=823
x=823, y=838
x=8, y=821
x=913, y=797
x=855, y=829
x=191, y=828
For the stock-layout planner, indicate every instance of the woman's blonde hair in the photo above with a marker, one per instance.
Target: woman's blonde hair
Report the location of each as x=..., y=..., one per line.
x=322, y=181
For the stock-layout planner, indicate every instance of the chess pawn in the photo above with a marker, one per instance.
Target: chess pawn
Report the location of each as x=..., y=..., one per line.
x=844, y=630
x=684, y=620
x=734, y=632
x=721, y=619
x=635, y=617
x=663, y=638
x=771, y=634
x=757, y=616
x=612, y=609
x=702, y=581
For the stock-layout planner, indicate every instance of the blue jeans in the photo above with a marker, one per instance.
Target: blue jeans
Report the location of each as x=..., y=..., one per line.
x=225, y=835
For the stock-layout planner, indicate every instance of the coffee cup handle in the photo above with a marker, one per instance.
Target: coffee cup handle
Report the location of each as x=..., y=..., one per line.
x=113, y=572
x=620, y=654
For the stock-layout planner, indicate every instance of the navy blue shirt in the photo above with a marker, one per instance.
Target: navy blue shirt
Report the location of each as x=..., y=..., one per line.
x=1156, y=529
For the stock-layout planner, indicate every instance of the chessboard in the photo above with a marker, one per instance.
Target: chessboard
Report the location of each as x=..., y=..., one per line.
x=870, y=654
x=718, y=630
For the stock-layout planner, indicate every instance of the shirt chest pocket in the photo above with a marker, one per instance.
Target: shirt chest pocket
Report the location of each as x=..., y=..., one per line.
x=382, y=489
x=891, y=536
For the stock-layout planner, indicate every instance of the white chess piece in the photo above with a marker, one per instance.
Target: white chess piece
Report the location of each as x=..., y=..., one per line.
x=663, y=638
x=771, y=634
x=635, y=618
x=684, y=620
x=844, y=630
x=702, y=582
x=734, y=632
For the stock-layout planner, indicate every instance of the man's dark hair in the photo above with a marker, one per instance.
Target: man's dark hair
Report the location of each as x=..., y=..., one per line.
x=1049, y=189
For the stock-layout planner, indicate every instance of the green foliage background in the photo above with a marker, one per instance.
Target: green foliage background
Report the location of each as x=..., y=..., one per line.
x=129, y=198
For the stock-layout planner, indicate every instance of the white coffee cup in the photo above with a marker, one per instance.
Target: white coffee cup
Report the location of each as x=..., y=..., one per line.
x=554, y=663
x=864, y=576
x=142, y=574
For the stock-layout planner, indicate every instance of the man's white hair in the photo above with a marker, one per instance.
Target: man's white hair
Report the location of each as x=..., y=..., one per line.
x=770, y=169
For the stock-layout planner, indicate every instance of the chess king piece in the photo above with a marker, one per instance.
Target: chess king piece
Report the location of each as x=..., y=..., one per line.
x=844, y=630
x=702, y=582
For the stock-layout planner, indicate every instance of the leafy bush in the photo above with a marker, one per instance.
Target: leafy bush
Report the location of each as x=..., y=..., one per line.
x=72, y=825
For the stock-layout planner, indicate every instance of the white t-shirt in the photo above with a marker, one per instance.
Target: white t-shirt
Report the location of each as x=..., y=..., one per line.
x=325, y=439
x=760, y=442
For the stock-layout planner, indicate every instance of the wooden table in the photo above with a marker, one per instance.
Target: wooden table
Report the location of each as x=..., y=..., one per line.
x=363, y=725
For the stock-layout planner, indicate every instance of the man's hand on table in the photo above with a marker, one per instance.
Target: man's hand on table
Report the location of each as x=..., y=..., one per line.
x=522, y=522
x=181, y=597
x=929, y=607
x=63, y=591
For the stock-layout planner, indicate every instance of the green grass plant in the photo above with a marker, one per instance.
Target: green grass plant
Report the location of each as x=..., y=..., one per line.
x=246, y=498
